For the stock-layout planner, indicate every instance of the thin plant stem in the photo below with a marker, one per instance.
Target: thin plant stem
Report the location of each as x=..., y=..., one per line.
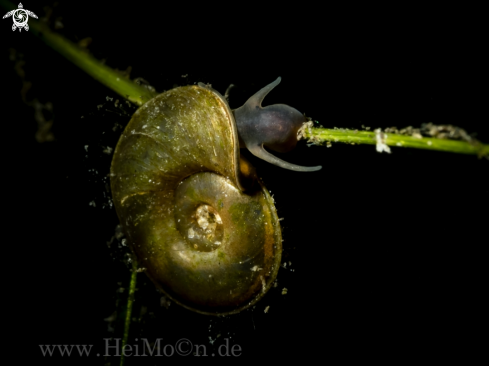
x=126, y=88
x=322, y=136
x=130, y=301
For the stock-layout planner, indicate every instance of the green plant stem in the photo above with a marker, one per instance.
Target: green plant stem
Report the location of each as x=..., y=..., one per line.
x=130, y=301
x=80, y=57
x=322, y=135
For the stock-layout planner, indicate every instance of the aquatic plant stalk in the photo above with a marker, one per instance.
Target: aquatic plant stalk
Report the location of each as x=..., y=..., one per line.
x=126, y=88
x=130, y=301
x=381, y=139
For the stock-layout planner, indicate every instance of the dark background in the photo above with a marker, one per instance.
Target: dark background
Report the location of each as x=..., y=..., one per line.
x=387, y=250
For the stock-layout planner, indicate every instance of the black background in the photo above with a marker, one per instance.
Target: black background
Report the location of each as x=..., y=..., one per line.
x=387, y=250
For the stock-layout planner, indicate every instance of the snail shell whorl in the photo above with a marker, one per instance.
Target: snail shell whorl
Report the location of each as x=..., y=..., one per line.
x=178, y=191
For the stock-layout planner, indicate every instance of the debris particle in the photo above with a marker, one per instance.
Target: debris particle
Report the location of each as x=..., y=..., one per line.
x=381, y=145
x=83, y=43
x=86, y=148
x=112, y=317
x=256, y=269
x=284, y=291
x=445, y=131
x=58, y=24
x=165, y=302
x=144, y=83
x=109, y=99
x=107, y=150
x=92, y=204
x=301, y=133
x=266, y=309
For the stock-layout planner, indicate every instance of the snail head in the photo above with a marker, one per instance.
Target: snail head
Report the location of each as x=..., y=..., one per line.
x=273, y=126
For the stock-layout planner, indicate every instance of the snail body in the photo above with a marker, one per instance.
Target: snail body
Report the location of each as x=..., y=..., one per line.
x=274, y=126
x=193, y=211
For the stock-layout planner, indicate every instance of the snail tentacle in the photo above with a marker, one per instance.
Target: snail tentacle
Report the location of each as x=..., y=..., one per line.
x=260, y=152
x=257, y=98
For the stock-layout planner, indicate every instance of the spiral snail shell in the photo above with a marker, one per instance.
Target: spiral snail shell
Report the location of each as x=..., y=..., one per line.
x=194, y=213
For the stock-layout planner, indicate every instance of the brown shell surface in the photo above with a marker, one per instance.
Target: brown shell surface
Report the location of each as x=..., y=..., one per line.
x=176, y=187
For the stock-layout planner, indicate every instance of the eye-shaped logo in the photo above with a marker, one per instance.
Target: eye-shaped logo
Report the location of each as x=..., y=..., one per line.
x=20, y=17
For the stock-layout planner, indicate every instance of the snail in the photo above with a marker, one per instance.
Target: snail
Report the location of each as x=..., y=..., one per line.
x=194, y=213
